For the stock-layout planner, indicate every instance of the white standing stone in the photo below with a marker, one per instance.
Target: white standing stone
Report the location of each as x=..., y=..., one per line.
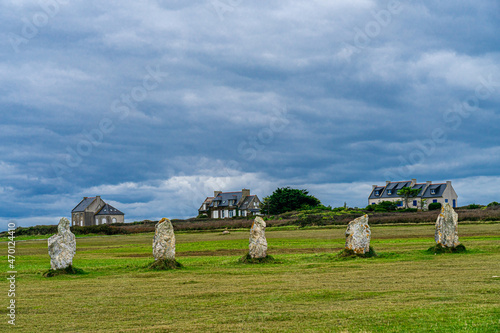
x=447, y=227
x=62, y=246
x=258, y=242
x=358, y=235
x=164, y=241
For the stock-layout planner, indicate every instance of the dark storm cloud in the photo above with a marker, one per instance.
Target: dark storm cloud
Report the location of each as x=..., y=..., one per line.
x=155, y=105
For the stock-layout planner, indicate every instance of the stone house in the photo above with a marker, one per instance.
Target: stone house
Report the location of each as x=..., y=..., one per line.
x=94, y=211
x=442, y=193
x=230, y=204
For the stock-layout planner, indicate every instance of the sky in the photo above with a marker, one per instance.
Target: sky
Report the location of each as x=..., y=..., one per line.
x=153, y=105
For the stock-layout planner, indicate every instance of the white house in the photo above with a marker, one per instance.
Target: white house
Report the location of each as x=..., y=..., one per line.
x=442, y=193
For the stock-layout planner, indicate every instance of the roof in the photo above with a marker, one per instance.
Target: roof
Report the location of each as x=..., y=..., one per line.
x=380, y=189
x=107, y=209
x=207, y=201
x=246, y=202
x=83, y=204
x=223, y=198
x=392, y=188
x=434, y=190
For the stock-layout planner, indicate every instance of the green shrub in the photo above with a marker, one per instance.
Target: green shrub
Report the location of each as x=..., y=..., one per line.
x=103, y=229
x=435, y=206
x=473, y=206
x=384, y=206
x=37, y=230
x=492, y=204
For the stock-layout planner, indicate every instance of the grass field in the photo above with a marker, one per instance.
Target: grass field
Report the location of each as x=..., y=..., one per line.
x=405, y=289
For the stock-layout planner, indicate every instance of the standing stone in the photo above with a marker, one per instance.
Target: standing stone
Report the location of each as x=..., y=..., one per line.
x=62, y=246
x=447, y=227
x=358, y=235
x=164, y=241
x=258, y=242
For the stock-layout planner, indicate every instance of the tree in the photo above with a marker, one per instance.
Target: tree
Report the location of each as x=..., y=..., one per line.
x=423, y=204
x=407, y=193
x=287, y=199
x=435, y=206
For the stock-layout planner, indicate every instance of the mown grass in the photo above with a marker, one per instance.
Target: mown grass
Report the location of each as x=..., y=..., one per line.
x=404, y=289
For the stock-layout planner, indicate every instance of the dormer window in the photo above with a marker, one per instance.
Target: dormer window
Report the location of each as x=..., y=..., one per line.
x=389, y=192
x=433, y=191
x=377, y=192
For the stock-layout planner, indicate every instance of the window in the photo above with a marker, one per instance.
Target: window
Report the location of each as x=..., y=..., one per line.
x=377, y=192
x=433, y=191
x=373, y=203
x=103, y=220
x=222, y=214
x=400, y=203
x=434, y=201
x=445, y=200
x=230, y=213
x=114, y=220
x=389, y=192
x=415, y=203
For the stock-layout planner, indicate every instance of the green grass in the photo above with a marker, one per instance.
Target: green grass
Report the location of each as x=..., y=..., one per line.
x=404, y=289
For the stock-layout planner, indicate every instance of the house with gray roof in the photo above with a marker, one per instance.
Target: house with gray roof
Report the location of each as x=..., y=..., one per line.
x=230, y=204
x=94, y=211
x=431, y=193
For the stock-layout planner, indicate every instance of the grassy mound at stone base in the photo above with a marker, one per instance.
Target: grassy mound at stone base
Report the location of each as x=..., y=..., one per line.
x=247, y=259
x=345, y=253
x=164, y=265
x=438, y=249
x=68, y=270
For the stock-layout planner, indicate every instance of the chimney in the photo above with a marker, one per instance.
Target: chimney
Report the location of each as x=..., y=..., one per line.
x=216, y=193
x=428, y=182
x=245, y=192
x=98, y=197
x=413, y=182
x=448, y=183
x=387, y=182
